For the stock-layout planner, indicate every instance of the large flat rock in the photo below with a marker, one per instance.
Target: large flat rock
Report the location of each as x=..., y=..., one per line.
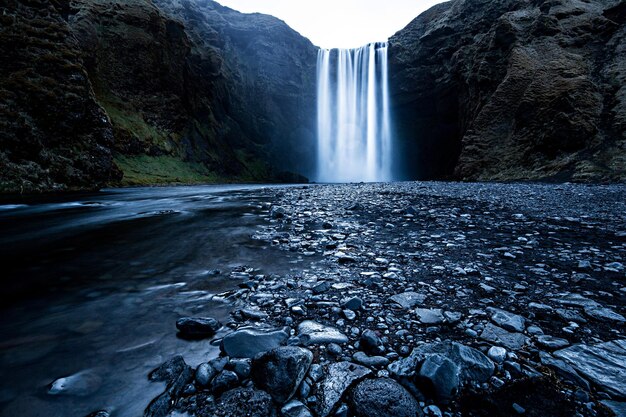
x=603, y=364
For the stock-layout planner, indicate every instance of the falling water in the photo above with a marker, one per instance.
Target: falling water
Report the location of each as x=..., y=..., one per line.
x=353, y=121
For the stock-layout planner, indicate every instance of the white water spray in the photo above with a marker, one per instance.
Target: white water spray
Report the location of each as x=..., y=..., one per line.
x=353, y=120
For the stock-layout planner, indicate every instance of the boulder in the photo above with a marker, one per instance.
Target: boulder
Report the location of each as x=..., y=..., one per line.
x=497, y=335
x=441, y=376
x=383, y=397
x=313, y=333
x=197, y=327
x=338, y=378
x=247, y=343
x=603, y=364
x=280, y=371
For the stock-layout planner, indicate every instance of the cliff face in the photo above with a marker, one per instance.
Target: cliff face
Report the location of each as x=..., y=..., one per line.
x=53, y=133
x=166, y=91
x=270, y=70
x=508, y=90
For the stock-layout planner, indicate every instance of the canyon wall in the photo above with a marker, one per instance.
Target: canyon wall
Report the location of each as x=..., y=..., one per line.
x=161, y=92
x=513, y=90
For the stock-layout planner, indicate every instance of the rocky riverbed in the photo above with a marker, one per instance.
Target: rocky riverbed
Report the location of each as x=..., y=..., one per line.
x=425, y=299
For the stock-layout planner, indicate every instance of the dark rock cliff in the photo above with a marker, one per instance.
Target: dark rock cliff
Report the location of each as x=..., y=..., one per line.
x=270, y=70
x=510, y=90
x=53, y=134
x=167, y=91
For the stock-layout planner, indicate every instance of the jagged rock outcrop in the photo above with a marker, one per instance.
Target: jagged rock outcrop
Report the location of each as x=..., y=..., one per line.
x=513, y=90
x=167, y=91
x=271, y=75
x=53, y=133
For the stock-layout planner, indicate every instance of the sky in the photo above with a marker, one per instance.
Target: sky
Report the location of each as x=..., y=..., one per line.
x=339, y=23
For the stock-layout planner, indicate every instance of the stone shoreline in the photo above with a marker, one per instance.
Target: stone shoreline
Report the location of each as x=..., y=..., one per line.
x=427, y=300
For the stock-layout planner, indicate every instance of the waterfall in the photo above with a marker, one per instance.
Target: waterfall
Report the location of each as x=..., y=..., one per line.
x=353, y=120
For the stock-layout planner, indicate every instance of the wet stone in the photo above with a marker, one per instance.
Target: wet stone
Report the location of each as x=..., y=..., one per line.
x=205, y=374
x=338, y=378
x=197, y=327
x=224, y=381
x=370, y=361
x=441, y=376
x=371, y=343
x=295, y=408
x=506, y=320
x=497, y=335
x=354, y=304
x=247, y=343
x=551, y=342
x=280, y=371
x=563, y=370
x=604, y=314
x=244, y=402
x=430, y=316
x=168, y=370
x=408, y=300
x=383, y=397
x=603, y=364
x=313, y=333
x=497, y=354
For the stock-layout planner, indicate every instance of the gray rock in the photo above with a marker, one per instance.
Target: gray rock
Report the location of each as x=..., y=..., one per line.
x=280, y=371
x=563, y=370
x=576, y=300
x=354, y=303
x=338, y=378
x=247, y=343
x=295, y=408
x=619, y=408
x=507, y=320
x=497, y=354
x=371, y=343
x=430, y=316
x=551, y=342
x=277, y=212
x=370, y=361
x=441, y=376
x=321, y=287
x=242, y=367
x=245, y=402
x=383, y=397
x=604, y=314
x=197, y=327
x=473, y=365
x=205, y=374
x=432, y=411
x=313, y=333
x=408, y=300
x=570, y=315
x=497, y=335
x=453, y=317
x=168, y=370
x=252, y=314
x=603, y=364
x=349, y=314
x=224, y=381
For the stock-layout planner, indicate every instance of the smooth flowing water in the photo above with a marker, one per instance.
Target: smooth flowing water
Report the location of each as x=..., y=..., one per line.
x=93, y=284
x=354, y=127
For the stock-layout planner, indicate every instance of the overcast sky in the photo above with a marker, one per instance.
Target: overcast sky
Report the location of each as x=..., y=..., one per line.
x=339, y=23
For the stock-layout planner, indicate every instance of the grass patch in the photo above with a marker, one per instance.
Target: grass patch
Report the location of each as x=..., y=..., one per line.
x=125, y=117
x=151, y=170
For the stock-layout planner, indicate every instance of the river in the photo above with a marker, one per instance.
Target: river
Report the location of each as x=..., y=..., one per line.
x=94, y=283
